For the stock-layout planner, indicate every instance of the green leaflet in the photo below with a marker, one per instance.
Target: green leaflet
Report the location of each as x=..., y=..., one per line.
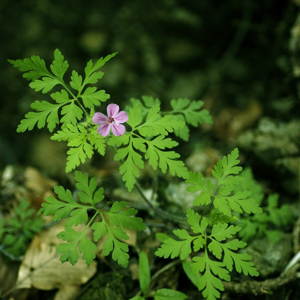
x=33, y=67
x=186, y=113
x=172, y=248
x=148, y=141
x=269, y=223
x=113, y=227
x=45, y=113
x=110, y=224
x=82, y=143
x=227, y=192
x=92, y=97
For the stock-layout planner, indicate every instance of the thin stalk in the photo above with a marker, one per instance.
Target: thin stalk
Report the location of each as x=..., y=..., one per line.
x=163, y=214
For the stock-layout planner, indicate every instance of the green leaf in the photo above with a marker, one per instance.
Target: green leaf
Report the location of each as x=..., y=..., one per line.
x=135, y=114
x=45, y=112
x=165, y=160
x=191, y=271
x=33, y=67
x=76, y=81
x=194, y=219
x=99, y=229
x=155, y=124
x=60, y=97
x=241, y=261
x=197, y=183
x=78, y=155
x=172, y=248
x=222, y=231
x=216, y=249
x=130, y=168
x=59, y=65
x=78, y=246
x=64, y=207
x=271, y=216
x=97, y=141
x=88, y=192
x=78, y=139
x=44, y=85
x=227, y=200
x=122, y=216
x=144, y=272
x=92, y=67
x=72, y=113
x=166, y=294
x=75, y=212
x=211, y=272
x=180, y=127
x=93, y=97
x=68, y=253
x=191, y=111
x=113, y=226
x=227, y=166
x=88, y=250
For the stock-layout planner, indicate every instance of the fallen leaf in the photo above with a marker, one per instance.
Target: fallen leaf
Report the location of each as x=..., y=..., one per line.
x=42, y=269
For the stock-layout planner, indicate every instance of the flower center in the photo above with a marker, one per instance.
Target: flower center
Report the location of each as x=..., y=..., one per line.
x=110, y=119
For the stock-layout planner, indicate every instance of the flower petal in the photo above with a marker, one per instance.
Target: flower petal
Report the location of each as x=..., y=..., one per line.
x=112, y=110
x=99, y=118
x=121, y=117
x=118, y=129
x=104, y=129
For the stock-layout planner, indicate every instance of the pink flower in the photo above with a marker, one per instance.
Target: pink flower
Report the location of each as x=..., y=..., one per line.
x=112, y=121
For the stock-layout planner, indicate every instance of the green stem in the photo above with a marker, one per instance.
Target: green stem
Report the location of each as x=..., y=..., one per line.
x=75, y=98
x=164, y=269
x=88, y=226
x=163, y=214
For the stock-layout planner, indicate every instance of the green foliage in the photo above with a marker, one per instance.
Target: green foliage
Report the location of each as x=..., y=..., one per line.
x=186, y=113
x=73, y=107
x=70, y=108
x=219, y=253
x=82, y=142
x=109, y=224
x=224, y=191
x=269, y=223
x=148, y=138
x=18, y=228
x=113, y=227
x=211, y=251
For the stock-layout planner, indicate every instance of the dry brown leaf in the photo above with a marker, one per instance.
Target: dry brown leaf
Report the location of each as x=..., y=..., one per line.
x=42, y=269
x=39, y=185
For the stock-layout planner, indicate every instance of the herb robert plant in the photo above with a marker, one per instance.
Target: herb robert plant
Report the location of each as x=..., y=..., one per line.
x=208, y=247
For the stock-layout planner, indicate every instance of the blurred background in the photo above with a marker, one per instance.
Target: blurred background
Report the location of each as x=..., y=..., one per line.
x=240, y=57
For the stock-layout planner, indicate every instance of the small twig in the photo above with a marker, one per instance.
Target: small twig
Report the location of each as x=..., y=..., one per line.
x=164, y=269
x=263, y=287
